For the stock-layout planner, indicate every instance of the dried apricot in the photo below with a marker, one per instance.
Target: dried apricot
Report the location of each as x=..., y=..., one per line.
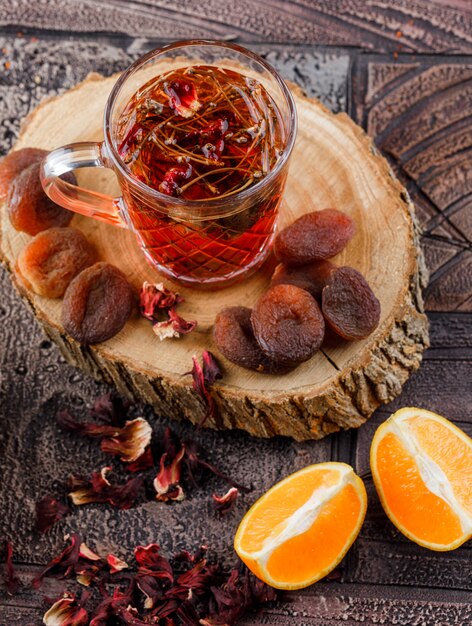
x=97, y=304
x=314, y=236
x=311, y=277
x=235, y=339
x=288, y=324
x=349, y=304
x=51, y=260
x=14, y=163
x=29, y=208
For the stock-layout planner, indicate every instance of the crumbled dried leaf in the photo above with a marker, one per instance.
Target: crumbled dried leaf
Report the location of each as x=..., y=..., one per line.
x=131, y=441
x=97, y=488
x=48, y=512
x=12, y=582
x=225, y=503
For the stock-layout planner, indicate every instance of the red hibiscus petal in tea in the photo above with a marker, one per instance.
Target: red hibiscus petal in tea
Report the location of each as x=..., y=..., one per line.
x=174, y=177
x=130, y=443
x=182, y=97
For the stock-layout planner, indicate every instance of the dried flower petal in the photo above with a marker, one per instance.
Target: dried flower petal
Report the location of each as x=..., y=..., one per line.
x=99, y=489
x=116, y=564
x=86, y=553
x=62, y=565
x=180, y=326
x=110, y=408
x=202, y=379
x=154, y=573
x=68, y=422
x=130, y=443
x=166, y=482
x=154, y=298
x=48, y=512
x=66, y=612
x=165, y=330
x=224, y=504
x=12, y=582
x=142, y=463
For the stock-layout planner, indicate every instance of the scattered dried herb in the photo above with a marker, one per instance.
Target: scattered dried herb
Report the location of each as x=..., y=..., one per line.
x=12, y=582
x=97, y=488
x=186, y=590
x=203, y=377
x=225, y=503
x=157, y=304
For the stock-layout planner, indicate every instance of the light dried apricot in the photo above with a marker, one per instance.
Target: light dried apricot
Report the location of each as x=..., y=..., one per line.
x=314, y=236
x=311, y=277
x=49, y=262
x=235, y=339
x=288, y=325
x=14, y=163
x=349, y=305
x=30, y=210
x=97, y=304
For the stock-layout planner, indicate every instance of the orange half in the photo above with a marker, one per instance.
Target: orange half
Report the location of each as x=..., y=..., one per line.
x=422, y=469
x=300, y=529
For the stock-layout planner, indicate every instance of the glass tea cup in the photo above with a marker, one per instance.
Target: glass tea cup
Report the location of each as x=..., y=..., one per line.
x=199, y=242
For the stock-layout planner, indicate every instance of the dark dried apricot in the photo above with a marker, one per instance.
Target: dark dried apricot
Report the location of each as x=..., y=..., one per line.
x=288, y=324
x=235, y=339
x=51, y=260
x=314, y=236
x=14, y=163
x=29, y=208
x=349, y=304
x=97, y=304
x=311, y=277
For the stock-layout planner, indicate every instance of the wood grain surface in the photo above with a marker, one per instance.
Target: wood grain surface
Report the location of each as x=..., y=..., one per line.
x=412, y=93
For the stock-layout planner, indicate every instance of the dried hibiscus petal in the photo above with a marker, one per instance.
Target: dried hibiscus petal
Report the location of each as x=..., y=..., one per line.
x=48, y=512
x=68, y=422
x=66, y=612
x=130, y=442
x=116, y=564
x=64, y=564
x=155, y=297
x=203, y=377
x=110, y=408
x=225, y=503
x=99, y=489
x=182, y=97
x=12, y=582
x=167, y=480
x=142, y=463
x=173, y=178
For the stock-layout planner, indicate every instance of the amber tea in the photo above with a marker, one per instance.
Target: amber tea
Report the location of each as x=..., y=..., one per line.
x=202, y=133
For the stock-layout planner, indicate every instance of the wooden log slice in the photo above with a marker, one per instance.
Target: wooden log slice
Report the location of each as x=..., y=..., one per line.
x=334, y=164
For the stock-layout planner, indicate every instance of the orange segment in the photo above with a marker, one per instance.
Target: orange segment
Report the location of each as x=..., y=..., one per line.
x=422, y=469
x=299, y=530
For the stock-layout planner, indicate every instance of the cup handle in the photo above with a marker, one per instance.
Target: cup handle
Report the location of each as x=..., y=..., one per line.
x=90, y=203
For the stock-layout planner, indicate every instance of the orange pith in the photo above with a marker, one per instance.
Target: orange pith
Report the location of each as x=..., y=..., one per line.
x=422, y=469
x=299, y=530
